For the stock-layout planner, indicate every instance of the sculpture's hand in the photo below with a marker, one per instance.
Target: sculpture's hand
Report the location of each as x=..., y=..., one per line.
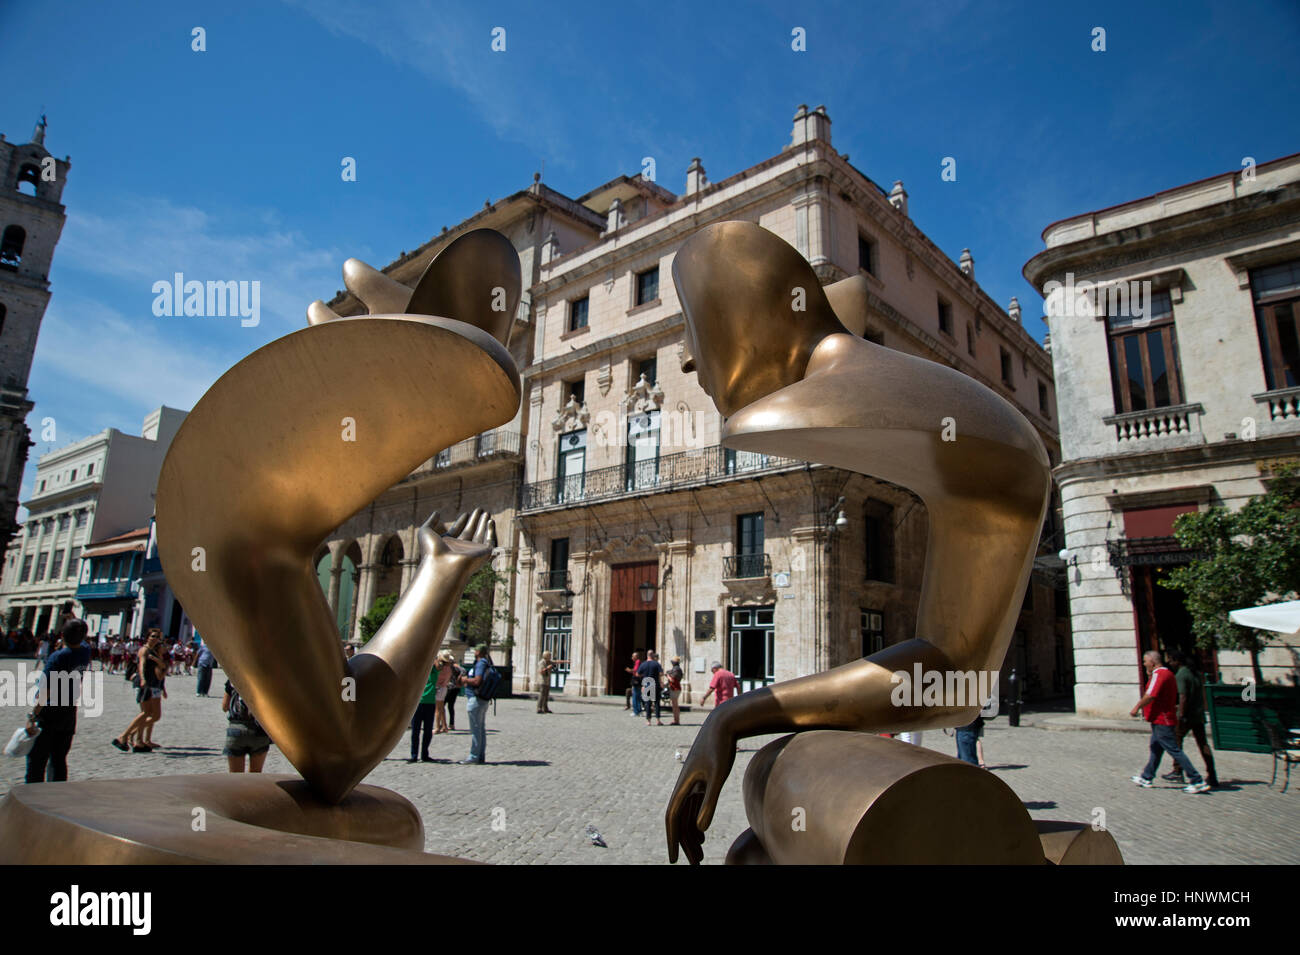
x=462, y=548
x=695, y=797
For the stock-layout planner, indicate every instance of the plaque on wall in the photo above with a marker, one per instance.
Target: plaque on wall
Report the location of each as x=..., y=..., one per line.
x=705, y=627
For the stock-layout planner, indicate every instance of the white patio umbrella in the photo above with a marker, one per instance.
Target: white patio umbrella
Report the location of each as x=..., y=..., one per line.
x=1282, y=617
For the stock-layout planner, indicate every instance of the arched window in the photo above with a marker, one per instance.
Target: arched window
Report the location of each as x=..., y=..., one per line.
x=29, y=178
x=11, y=247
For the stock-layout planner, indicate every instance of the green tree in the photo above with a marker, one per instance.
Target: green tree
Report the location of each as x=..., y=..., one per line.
x=379, y=612
x=1247, y=557
x=477, y=611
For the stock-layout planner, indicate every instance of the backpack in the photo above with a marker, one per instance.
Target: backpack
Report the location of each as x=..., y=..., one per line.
x=240, y=713
x=487, y=690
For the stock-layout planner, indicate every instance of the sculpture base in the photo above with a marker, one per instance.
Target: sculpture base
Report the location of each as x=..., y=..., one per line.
x=186, y=820
x=838, y=798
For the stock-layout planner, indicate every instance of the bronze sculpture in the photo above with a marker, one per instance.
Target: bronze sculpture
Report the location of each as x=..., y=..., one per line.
x=285, y=447
x=774, y=351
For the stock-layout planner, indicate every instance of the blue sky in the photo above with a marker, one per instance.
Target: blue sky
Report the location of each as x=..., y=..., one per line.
x=225, y=164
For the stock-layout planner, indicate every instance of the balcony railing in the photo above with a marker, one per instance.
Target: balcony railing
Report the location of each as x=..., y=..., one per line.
x=1168, y=422
x=673, y=471
x=555, y=580
x=482, y=447
x=1283, y=403
x=105, y=590
x=744, y=566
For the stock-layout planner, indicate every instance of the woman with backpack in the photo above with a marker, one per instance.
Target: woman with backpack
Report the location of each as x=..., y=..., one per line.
x=244, y=735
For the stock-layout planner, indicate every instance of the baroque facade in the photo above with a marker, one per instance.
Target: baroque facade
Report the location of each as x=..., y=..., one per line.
x=624, y=524
x=1178, y=375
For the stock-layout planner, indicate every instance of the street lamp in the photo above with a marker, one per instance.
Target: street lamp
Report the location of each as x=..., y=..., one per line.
x=648, y=591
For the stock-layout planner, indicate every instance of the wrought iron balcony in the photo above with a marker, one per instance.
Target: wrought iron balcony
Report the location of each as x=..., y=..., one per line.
x=555, y=580
x=481, y=447
x=671, y=472
x=746, y=566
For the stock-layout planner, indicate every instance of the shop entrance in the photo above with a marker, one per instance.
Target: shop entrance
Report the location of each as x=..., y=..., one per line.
x=753, y=646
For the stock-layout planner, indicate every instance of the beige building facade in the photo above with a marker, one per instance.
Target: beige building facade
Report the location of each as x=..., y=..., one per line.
x=623, y=523
x=1173, y=334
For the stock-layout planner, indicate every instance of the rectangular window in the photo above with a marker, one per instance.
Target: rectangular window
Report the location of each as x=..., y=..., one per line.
x=74, y=558
x=558, y=568
x=1042, y=399
x=873, y=632
x=749, y=534
x=1005, y=357
x=578, y=313
x=63, y=522
x=649, y=367
x=40, y=487
x=27, y=569
x=42, y=563
x=56, y=569
x=577, y=390
x=1144, y=358
x=557, y=636
x=81, y=518
x=571, y=466
x=647, y=286
x=866, y=254
x=945, y=317
x=642, y=450
x=1277, y=321
x=879, y=556
x=90, y=469
x=73, y=476
x=970, y=339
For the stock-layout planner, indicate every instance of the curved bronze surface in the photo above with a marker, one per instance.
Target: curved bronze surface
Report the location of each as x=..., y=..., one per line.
x=237, y=818
x=285, y=447
x=886, y=803
x=793, y=382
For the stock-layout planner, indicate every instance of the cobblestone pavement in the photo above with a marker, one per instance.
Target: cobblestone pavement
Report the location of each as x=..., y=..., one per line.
x=549, y=776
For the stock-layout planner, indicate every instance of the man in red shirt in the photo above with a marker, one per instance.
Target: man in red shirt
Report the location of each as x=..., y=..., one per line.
x=1159, y=706
x=724, y=682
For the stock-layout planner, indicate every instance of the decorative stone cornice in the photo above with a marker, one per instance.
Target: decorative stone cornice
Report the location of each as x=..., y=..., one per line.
x=643, y=397
x=572, y=417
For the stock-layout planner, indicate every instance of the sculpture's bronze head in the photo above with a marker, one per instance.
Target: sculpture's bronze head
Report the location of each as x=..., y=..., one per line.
x=754, y=312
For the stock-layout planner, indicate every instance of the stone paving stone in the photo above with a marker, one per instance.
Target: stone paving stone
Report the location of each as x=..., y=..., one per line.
x=550, y=776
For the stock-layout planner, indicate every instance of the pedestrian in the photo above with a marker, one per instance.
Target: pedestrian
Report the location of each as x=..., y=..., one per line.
x=349, y=650
x=651, y=676
x=206, y=662
x=544, y=671
x=453, y=690
x=244, y=735
x=42, y=650
x=724, y=684
x=476, y=707
x=675, y=675
x=1159, y=706
x=1191, y=717
x=116, y=654
x=104, y=644
x=422, y=720
x=53, y=720
x=150, y=670
x=968, y=741
x=444, y=665
x=633, y=697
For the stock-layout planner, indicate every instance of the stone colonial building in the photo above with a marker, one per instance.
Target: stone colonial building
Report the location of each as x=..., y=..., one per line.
x=92, y=490
x=624, y=524
x=31, y=220
x=1178, y=376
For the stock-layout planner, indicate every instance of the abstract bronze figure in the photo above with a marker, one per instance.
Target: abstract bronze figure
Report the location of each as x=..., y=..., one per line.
x=775, y=352
x=286, y=446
